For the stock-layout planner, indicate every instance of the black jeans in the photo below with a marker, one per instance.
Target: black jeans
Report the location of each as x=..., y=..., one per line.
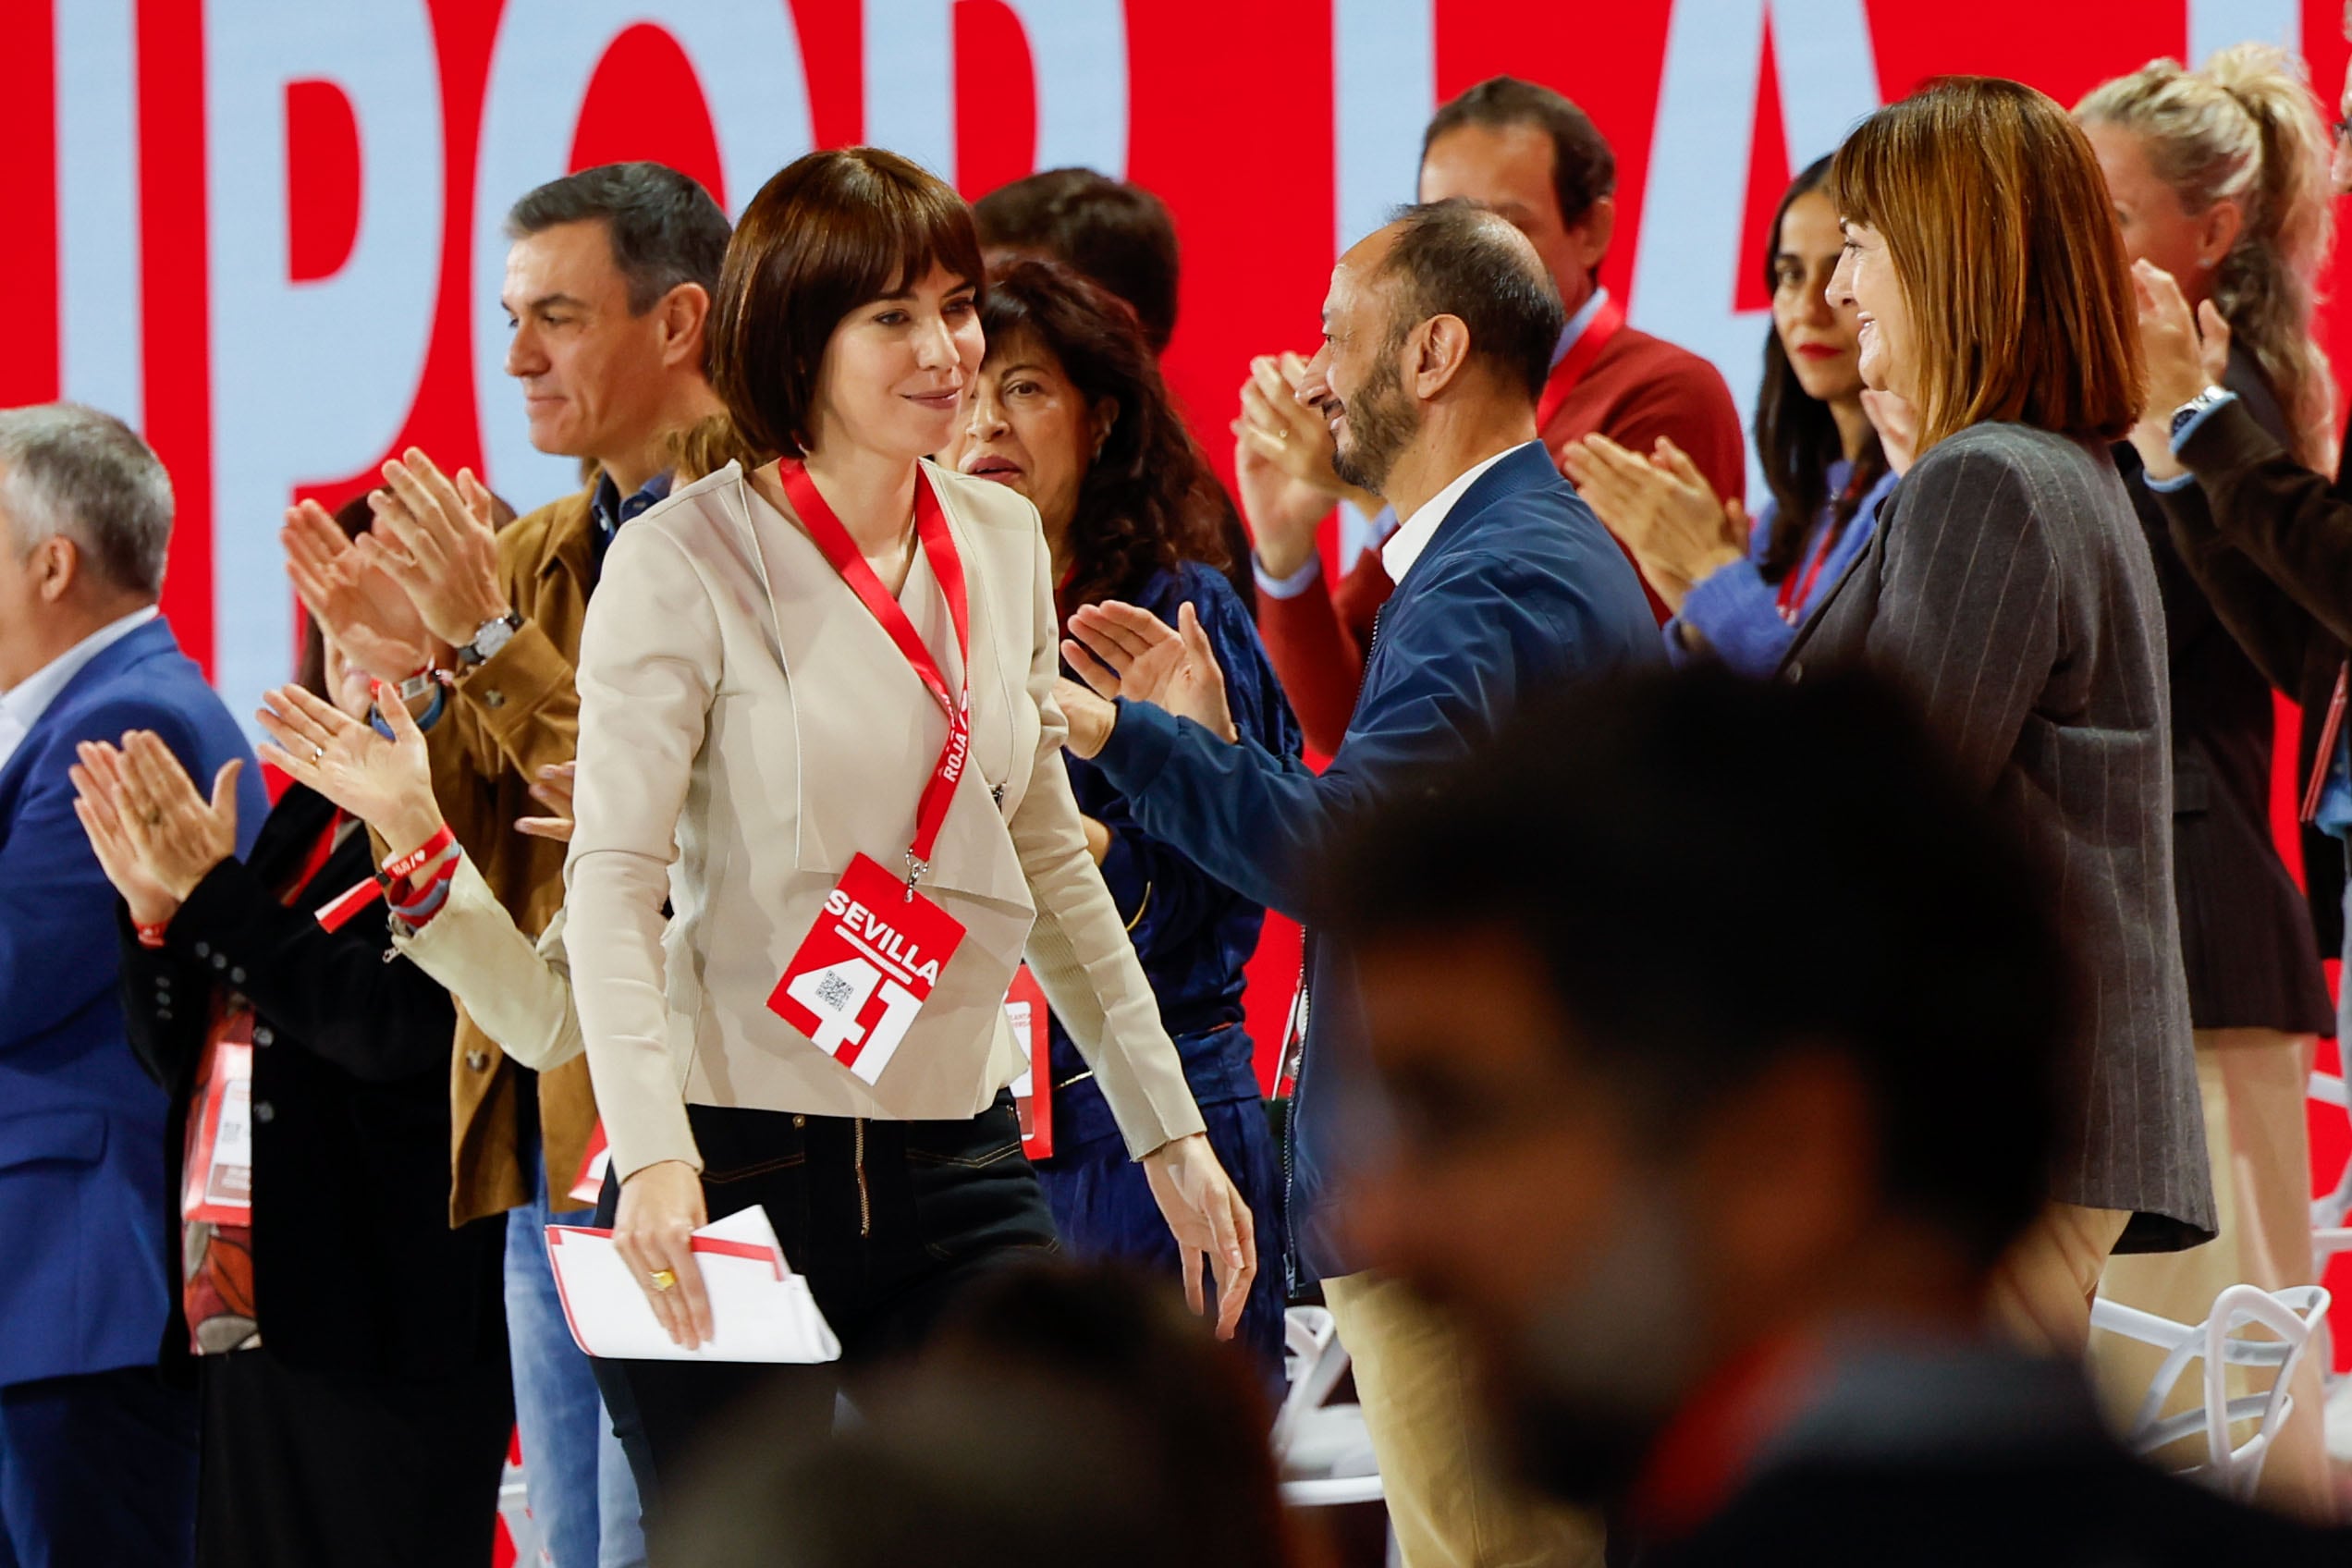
x=887, y=1219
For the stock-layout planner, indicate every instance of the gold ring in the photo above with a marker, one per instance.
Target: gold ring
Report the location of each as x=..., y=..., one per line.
x=663, y=1279
x=318, y=753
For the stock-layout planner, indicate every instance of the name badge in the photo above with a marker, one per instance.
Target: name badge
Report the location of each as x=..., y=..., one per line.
x=1032, y=1090
x=865, y=969
x=219, y=1185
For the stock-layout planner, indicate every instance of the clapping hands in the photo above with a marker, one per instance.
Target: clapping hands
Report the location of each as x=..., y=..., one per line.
x=424, y=580
x=154, y=836
x=1121, y=651
x=438, y=540
x=2185, y=353
x=1678, y=530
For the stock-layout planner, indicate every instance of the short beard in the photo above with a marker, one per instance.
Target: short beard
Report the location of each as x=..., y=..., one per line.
x=1605, y=1367
x=1380, y=424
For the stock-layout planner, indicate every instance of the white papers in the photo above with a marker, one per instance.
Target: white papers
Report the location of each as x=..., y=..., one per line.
x=760, y=1309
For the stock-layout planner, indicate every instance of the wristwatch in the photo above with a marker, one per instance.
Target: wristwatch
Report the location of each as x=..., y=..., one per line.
x=2191, y=412
x=490, y=636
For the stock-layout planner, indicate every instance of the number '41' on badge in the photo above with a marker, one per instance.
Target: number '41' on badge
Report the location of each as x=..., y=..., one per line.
x=866, y=968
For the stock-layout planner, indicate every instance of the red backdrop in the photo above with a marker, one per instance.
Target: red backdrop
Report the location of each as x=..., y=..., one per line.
x=257, y=227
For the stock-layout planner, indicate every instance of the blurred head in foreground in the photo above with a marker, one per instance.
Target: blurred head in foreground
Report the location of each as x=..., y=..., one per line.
x=1710, y=1014
x=1064, y=1414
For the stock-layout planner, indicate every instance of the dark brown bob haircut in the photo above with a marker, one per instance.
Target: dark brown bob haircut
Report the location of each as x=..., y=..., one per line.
x=830, y=232
x=2004, y=239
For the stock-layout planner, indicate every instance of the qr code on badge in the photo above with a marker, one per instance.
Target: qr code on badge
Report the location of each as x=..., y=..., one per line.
x=834, y=992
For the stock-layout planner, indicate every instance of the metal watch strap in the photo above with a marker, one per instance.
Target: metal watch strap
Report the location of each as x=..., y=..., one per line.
x=2193, y=407
x=496, y=633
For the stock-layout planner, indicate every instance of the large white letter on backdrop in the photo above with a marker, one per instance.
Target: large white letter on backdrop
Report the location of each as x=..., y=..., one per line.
x=1384, y=90
x=98, y=232
x=1077, y=57
x=746, y=54
x=2217, y=24
x=310, y=381
x=1685, y=276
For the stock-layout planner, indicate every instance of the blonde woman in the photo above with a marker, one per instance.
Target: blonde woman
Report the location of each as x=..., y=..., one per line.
x=2220, y=178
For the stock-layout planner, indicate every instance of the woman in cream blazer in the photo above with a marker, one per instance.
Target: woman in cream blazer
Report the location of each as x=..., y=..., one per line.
x=747, y=727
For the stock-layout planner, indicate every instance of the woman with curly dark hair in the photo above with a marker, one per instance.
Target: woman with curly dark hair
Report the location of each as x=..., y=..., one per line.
x=1069, y=408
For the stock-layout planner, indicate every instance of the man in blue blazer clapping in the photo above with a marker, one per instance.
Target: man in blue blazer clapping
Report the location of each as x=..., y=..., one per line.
x=1438, y=332
x=97, y=1457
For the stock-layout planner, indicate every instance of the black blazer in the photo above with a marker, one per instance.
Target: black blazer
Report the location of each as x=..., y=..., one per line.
x=2246, y=932
x=355, y=1266
x=2271, y=543
x=2007, y=587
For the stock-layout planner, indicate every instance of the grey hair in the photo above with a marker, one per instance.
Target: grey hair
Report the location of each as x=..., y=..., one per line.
x=665, y=229
x=69, y=471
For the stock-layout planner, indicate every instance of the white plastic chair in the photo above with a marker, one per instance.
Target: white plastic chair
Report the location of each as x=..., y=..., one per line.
x=1324, y=1450
x=2332, y=1233
x=2292, y=1314
x=2329, y=1232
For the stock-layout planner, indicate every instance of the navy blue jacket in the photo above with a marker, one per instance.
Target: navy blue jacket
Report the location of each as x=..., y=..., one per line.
x=1520, y=589
x=84, y=1191
x=1193, y=934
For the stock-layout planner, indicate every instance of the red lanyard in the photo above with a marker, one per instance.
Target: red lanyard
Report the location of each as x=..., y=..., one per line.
x=938, y=547
x=1797, y=591
x=2324, y=758
x=320, y=853
x=1607, y=318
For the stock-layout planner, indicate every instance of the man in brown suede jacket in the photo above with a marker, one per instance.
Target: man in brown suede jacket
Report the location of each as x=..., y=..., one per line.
x=606, y=291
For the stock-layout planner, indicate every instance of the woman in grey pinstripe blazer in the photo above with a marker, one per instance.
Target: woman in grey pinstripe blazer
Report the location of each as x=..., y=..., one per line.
x=2010, y=588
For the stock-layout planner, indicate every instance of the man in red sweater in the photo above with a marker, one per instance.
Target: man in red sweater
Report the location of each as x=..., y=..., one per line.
x=1528, y=153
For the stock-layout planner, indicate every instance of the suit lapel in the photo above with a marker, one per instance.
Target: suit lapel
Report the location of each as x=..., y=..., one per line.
x=289, y=834
x=1871, y=556
x=873, y=676
x=1520, y=469
x=126, y=653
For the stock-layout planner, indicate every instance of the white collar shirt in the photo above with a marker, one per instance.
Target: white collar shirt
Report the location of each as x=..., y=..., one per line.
x=1412, y=536
x=23, y=704
x=1577, y=322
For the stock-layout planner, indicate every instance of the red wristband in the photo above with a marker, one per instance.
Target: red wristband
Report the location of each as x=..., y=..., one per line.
x=398, y=867
x=441, y=875
x=151, y=936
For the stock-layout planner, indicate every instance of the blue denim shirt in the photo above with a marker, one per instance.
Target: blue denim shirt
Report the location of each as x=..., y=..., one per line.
x=1191, y=933
x=608, y=510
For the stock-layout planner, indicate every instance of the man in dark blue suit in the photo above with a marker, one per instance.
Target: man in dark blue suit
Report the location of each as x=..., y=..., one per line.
x=97, y=1457
x=1438, y=332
